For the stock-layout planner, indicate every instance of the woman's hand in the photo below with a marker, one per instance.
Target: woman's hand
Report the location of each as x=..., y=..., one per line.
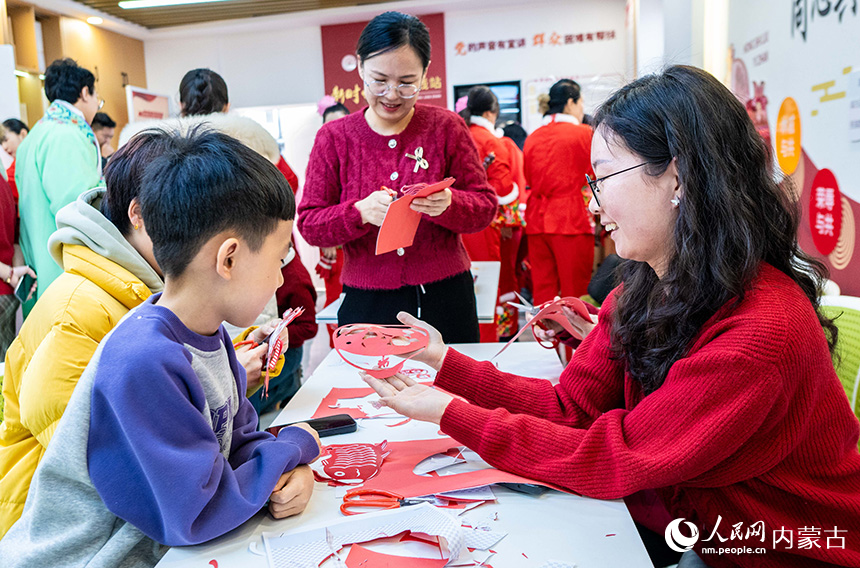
x=409, y=398
x=329, y=253
x=374, y=206
x=553, y=328
x=434, y=204
x=292, y=492
x=18, y=272
x=436, y=350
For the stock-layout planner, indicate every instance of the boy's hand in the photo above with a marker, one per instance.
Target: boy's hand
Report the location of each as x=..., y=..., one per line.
x=292, y=492
x=252, y=358
x=305, y=426
x=262, y=332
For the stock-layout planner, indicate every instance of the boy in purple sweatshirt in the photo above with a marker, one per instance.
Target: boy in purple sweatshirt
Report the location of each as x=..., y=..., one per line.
x=158, y=446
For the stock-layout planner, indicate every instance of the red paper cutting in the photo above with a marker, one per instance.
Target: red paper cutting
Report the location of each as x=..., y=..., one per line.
x=328, y=406
x=400, y=223
x=360, y=557
x=398, y=476
x=380, y=341
x=553, y=311
x=352, y=464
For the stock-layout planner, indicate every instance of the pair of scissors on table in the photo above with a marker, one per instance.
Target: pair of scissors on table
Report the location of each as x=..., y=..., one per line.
x=360, y=498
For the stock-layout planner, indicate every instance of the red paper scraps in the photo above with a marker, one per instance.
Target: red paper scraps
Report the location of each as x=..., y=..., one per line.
x=401, y=222
x=360, y=557
x=369, y=340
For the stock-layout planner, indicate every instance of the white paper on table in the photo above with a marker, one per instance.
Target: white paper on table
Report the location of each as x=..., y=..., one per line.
x=309, y=547
x=437, y=462
x=483, y=493
x=480, y=539
x=557, y=564
x=366, y=405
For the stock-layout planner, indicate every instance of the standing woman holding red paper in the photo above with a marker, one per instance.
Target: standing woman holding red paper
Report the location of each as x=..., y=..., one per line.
x=395, y=142
x=560, y=230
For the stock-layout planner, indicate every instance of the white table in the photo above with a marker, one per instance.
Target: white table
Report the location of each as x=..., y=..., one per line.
x=486, y=289
x=555, y=525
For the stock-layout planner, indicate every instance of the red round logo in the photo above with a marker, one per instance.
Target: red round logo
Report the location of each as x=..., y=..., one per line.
x=825, y=211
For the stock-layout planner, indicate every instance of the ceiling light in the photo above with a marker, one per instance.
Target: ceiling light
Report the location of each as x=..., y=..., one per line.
x=132, y=4
x=95, y=20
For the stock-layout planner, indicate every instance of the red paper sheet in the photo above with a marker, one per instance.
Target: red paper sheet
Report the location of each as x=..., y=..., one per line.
x=400, y=223
x=397, y=473
x=325, y=407
x=360, y=557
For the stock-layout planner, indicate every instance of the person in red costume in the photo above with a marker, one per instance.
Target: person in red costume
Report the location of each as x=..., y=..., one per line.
x=709, y=377
x=481, y=113
x=559, y=228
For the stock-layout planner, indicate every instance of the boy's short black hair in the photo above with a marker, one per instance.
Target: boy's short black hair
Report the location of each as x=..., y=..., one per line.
x=64, y=80
x=124, y=174
x=15, y=125
x=205, y=184
x=102, y=120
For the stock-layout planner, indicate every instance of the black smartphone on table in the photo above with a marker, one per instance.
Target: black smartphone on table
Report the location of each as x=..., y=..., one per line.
x=326, y=426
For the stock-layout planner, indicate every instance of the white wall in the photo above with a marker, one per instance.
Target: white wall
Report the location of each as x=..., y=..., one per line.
x=262, y=68
x=280, y=66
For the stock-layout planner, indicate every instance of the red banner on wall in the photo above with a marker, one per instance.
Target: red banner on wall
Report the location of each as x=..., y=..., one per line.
x=340, y=65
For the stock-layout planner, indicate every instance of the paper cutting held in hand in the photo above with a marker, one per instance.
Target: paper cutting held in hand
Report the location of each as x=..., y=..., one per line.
x=357, y=344
x=401, y=222
x=554, y=311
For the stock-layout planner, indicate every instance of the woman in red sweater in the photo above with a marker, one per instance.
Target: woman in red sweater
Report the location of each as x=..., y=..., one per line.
x=709, y=375
x=395, y=142
x=481, y=113
x=559, y=228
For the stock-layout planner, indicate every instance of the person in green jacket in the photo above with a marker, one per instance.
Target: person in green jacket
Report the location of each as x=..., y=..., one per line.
x=57, y=162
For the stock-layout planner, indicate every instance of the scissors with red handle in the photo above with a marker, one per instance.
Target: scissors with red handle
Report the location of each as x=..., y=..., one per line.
x=360, y=498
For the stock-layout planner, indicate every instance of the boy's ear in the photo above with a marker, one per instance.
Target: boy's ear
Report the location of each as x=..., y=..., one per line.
x=134, y=214
x=226, y=258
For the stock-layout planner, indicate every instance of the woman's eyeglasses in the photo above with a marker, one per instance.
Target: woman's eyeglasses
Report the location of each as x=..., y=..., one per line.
x=592, y=183
x=381, y=88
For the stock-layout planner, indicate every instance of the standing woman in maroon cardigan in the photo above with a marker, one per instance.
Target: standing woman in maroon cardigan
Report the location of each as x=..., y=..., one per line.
x=709, y=375
x=395, y=142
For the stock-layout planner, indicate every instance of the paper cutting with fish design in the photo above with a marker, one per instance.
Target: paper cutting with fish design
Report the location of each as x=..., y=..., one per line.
x=350, y=464
x=368, y=347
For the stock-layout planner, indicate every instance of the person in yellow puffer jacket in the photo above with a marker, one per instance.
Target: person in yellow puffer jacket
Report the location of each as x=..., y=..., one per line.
x=109, y=268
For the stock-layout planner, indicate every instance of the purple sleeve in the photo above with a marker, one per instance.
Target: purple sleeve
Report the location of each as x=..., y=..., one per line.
x=473, y=200
x=153, y=457
x=246, y=438
x=324, y=220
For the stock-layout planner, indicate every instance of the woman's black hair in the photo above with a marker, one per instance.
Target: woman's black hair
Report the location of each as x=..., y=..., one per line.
x=124, y=174
x=732, y=217
x=337, y=107
x=481, y=99
x=15, y=125
x=202, y=91
x=515, y=131
x=65, y=79
x=391, y=30
x=560, y=93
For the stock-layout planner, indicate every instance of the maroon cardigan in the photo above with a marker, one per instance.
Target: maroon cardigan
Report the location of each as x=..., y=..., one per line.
x=349, y=161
